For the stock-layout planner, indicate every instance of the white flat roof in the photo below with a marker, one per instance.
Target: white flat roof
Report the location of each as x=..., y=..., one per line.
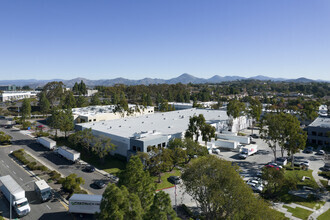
x=99, y=109
x=42, y=184
x=166, y=123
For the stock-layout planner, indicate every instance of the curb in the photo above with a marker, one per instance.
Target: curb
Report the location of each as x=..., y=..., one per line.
x=165, y=188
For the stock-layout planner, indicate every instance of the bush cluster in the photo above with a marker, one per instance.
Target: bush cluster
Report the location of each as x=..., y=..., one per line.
x=19, y=154
x=55, y=176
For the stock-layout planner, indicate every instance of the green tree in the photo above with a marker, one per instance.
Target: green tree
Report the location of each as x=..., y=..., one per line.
x=53, y=91
x=161, y=208
x=55, y=119
x=196, y=123
x=82, y=101
x=72, y=183
x=83, y=139
x=194, y=149
x=75, y=88
x=44, y=104
x=235, y=109
x=255, y=110
x=4, y=138
x=208, y=132
x=96, y=99
x=102, y=147
x=221, y=193
x=118, y=204
x=82, y=88
x=69, y=101
x=138, y=181
x=295, y=137
x=26, y=109
x=274, y=180
x=271, y=130
x=66, y=121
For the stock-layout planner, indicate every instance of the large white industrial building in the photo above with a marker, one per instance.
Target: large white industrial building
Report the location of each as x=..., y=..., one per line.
x=108, y=112
x=137, y=133
x=16, y=95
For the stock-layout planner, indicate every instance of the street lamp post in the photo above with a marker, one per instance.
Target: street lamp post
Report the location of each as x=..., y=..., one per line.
x=11, y=198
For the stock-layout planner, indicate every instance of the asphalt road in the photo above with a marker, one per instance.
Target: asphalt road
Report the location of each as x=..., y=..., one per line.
x=53, y=161
x=52, y=209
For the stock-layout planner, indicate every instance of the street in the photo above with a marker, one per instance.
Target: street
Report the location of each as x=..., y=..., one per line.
x=53, y=161
x=52, y=209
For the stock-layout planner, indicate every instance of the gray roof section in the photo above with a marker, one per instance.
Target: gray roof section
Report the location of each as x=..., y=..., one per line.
x=166, y=123
x=321, y=122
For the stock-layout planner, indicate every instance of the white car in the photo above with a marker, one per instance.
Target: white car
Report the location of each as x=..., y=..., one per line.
x=255, y=187
x=305, y=163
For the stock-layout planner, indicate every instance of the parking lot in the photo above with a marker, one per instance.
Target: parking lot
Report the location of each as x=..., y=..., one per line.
x=252, y=164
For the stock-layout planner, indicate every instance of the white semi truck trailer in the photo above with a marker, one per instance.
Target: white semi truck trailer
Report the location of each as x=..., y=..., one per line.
x=15, y=195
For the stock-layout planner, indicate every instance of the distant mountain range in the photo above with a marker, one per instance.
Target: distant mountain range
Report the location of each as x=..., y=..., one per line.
x=184, y=79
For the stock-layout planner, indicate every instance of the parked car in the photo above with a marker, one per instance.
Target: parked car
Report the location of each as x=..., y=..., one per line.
x=100, y=184
x=174, y=179
x=275, y=165
x=113, y=179
x=281, y=161
x=254, y=136
x=305, y=163
x=215, y=151
x=89, y=169
x=255, y=186
x=320, y=152
x=308, y=150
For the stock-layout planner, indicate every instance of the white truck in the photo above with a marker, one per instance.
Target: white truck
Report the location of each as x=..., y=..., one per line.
x=84, y=203
x=229, y=144
x=46, y=142
x=234, y=137
x=248, y=150
x=68, y=153
x=15, y=195
x=43, y=190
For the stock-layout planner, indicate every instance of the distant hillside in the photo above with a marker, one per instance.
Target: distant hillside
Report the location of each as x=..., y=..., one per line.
x=184, y=78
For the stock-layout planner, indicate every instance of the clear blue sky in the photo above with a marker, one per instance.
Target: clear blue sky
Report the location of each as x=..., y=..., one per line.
x=65, y=39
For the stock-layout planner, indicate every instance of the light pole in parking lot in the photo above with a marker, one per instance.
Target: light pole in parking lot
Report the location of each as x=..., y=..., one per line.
x=11, y=198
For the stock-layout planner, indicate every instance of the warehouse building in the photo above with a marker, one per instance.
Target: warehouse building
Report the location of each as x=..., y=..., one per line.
x=134, y=134
x=319, y=132
x=7, y=96
x=108, y=112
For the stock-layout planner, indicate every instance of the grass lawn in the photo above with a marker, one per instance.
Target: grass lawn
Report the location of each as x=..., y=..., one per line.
x=312, y=204
x=164, y=182
x=298, y=212
x=324, y=216
x=111, y=164
x=298, y=174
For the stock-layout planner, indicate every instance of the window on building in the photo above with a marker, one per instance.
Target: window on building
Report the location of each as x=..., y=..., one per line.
x=134, y=148
x=139, y=149
x=320, y=142
x=94, y=120
x=90, y=120
x=313, y=141
x=314, y=133
x=164, y=144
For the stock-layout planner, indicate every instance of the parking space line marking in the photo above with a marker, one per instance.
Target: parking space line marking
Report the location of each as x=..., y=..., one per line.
x=7, y=166
x=64, y=205
x=48, y=207
x=21, y=179
x=2, y=161
x=14, y=172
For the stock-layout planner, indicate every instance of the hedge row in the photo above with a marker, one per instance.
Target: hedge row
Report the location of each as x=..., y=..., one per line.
x=19, y=154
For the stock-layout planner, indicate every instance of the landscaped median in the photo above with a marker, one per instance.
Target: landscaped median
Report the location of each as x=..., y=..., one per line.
x=70, y=184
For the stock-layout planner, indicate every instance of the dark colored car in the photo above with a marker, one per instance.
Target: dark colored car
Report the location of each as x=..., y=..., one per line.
x=175, y=179
x=254, y=136
x=100, y=184
x=89, y=169
x=308, y=150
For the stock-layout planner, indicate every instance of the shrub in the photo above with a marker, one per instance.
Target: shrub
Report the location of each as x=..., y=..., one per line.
x=32, y=165
x=42, y=168
x=26, y=124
